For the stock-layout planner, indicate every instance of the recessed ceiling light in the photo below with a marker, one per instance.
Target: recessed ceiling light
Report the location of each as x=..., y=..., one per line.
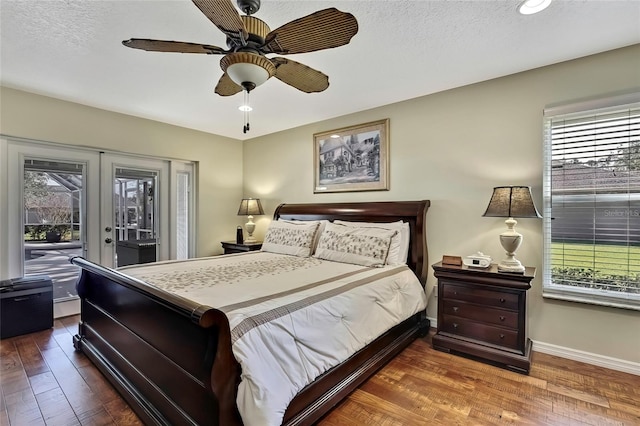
x=245, y=108
x=529, y=7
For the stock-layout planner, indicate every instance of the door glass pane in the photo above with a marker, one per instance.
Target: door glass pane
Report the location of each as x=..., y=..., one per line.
x=135, y=210
x=53, y=222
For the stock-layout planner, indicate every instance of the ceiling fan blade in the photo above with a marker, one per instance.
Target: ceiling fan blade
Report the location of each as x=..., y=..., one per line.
x=225, y=16
x=226, y=86
x=323, y=29
x=300, y=76
x=173, y=46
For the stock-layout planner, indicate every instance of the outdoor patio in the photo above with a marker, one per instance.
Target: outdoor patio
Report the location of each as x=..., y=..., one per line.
x=52, y=259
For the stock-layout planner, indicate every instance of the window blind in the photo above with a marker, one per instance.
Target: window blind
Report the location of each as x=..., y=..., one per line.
x=182, y=215
x=592, y=203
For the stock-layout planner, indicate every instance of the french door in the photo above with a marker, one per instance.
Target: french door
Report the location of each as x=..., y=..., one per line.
x=134, y=219
x=51, y=209
x=113, y=209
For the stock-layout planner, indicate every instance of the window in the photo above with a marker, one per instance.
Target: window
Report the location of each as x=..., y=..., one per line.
x=183, y=214
x=183, y=246
x=592, y=202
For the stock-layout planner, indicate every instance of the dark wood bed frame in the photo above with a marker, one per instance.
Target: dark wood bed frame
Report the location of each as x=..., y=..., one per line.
x=171, y=359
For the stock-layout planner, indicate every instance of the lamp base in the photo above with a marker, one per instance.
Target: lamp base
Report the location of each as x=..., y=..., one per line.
x=510, y=240
x=512, y=265
x=250, y=228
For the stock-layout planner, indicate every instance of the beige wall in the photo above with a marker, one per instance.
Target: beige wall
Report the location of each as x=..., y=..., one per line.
x=453, y=148
x=219, y=159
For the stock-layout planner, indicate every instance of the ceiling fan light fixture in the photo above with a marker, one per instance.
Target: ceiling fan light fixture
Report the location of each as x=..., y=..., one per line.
x=246, y=69
x=243, y=73
x=529, y=7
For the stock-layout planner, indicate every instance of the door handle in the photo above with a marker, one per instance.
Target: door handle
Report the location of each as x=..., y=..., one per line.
x=108, y=240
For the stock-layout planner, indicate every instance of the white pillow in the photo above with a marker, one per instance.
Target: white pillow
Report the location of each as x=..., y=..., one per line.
x=321, y=225
x=399, y=250
x=359, y=246
x=287, y=238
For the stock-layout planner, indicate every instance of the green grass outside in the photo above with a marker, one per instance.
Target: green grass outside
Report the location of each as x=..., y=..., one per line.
x=604, y=258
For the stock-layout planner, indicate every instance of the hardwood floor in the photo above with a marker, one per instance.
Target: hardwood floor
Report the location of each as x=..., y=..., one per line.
x=44, y=381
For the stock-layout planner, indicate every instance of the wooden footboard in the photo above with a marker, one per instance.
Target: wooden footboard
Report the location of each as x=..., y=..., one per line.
x=170, y=358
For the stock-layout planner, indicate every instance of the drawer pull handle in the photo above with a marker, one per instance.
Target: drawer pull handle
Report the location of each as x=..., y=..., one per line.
x=502, y=336
x=502, y=300
x=455, y=325
x=502, y=318
x=455, y=293
x=455, y=309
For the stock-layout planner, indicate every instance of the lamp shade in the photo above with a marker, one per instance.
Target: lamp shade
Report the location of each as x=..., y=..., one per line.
x=250, y=207
x=511, y=201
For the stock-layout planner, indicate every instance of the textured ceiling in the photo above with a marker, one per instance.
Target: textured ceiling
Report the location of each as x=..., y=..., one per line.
x=72, y=50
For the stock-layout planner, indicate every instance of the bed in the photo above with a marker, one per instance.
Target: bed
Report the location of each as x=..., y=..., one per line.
x=171, y=358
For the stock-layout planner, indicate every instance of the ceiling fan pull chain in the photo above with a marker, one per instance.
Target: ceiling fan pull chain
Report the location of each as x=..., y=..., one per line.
x=246, y=110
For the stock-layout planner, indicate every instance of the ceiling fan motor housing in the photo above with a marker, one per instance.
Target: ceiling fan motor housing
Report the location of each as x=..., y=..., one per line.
x=257, y=30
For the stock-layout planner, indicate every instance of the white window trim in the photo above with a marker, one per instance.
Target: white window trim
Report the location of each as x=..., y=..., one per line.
x=563, y=292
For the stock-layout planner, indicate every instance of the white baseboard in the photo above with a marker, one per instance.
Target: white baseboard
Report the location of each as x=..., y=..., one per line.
x=576, y=355
x=434, y=322
x=588, y=357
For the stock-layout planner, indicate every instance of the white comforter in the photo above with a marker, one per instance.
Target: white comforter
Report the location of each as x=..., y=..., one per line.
x=291, y=318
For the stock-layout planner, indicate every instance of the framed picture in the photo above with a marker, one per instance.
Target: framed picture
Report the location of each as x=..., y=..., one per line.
x=354, y=158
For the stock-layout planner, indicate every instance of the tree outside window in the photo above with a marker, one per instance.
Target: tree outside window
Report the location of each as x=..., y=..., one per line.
x=48, y=208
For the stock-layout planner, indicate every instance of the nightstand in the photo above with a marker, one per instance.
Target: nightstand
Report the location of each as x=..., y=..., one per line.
x=233, y=247
x=482, y=312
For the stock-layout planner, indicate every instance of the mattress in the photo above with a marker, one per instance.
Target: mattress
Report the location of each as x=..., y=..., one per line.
x=292, y=318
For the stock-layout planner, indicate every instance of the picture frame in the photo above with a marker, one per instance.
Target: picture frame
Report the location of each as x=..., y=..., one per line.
x=354, y=158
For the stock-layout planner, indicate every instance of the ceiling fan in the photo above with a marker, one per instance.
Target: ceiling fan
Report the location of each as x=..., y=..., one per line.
x=250, y=39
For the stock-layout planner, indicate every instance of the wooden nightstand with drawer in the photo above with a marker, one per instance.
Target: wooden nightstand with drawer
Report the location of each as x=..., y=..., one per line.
x=230, y=247
x=482, y=312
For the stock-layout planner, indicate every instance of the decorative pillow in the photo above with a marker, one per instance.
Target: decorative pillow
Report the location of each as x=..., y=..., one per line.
x=321, y=225
x=399, y=249
x=359, y=246
x=287, y=238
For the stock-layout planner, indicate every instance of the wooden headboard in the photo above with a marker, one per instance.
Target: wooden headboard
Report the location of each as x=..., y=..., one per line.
x=413, y=212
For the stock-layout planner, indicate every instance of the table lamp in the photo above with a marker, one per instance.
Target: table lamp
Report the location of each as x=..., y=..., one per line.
x=250, y=207
x=510, y=202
